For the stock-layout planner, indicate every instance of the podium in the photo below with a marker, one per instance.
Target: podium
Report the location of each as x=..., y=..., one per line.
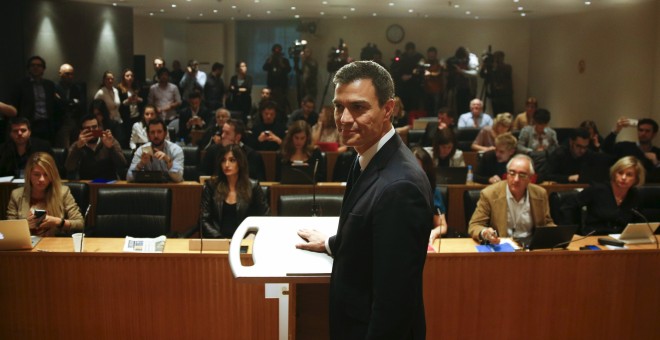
x=277, y=262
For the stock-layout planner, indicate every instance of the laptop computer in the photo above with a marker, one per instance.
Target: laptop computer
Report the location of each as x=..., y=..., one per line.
x=451, y=175
x=150, y=176
x=15, y=235
x=549, y=237
x=297, y=174
x=637, y=233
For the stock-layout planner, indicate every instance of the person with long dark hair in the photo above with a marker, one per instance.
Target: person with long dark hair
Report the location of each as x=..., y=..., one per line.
x=131, y=102
x=230, y=196
x=240, y=91
x=297, y=148
x=439, y=221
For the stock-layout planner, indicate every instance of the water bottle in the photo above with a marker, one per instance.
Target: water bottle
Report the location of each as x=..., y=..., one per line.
x=470, y=176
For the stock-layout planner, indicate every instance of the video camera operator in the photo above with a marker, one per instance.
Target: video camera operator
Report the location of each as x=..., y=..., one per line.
x=462, y=70
x=408, y=83
x=338, y=57
x=498, y=81
x=277, y=66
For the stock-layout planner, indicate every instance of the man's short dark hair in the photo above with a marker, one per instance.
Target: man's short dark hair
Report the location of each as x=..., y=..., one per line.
x=217, y=66
x=157, y=121
x=267, y=104
x=194, y=95
x=161, y=71
x=308, y=99
x=36, y=57
x=239, y=126
x=581, y=133
x=649, y=121
x=365, y=69
x=18, y=120
x=542, y=116
x=86, y=117
x=432, y=49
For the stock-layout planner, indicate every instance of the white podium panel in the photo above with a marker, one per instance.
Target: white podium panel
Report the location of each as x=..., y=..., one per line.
x=274, y=253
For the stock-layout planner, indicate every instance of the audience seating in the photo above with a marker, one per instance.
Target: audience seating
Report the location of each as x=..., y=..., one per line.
x=415, y=136
x=563, y=134
x=190, y=163
x=122, y=171
x=465, y=137
x=60, y=157
x=80, y=193
x=301, y=205
x=561, y=215
x=470, y=199
x=650, y=202
x=137, y=212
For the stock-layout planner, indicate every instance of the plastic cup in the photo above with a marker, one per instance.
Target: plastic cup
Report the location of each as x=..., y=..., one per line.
x=78, y=241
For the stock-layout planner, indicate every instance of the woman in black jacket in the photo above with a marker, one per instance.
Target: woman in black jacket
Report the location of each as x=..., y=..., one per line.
x=230, y=196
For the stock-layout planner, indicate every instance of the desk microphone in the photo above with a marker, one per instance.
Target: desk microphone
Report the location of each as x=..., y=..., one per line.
x=655, y=239
x=82, y=238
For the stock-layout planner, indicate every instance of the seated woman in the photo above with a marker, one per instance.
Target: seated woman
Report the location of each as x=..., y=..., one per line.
x=230, y=196
x=485, y=140
x=445, y=152
x=439, y=221
x=297, y=149
x=139, y=131
x=595, y=139
x=325, y=130
x=44, y=191
x=492, y=165
x=527, y=117
x=610, y=206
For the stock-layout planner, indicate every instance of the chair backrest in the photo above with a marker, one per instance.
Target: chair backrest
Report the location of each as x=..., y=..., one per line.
x=122, y=171
x=301, y=205
x=59, y=154
x=470, y=199
x=650, y=202
x=559, y=201
x=415, y=137
x=137, y=212
x=190, y=163
x=80, y=193
x=467, y=134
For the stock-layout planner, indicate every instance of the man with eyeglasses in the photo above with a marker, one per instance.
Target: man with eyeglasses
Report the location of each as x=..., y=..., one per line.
x=568, y=161
x=96, y=154
x=512, y=208
x=35, y=99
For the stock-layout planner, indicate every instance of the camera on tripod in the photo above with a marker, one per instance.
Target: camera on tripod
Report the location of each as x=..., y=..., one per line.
x=297, y=48
x=488, y=59
x=337, y=57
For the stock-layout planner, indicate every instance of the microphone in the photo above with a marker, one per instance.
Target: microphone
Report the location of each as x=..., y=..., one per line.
x=563, y=244
x=82, y=238
x=316, y=210
x=655, y=239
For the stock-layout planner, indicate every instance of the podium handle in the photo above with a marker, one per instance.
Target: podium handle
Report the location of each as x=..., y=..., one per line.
x=237, y=269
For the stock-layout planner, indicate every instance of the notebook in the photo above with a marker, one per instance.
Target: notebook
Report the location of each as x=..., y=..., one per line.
x=15, y=235
x=297, y=174
x=549, y=237
x=451, y=175
x=150, y=176
x=637, y=233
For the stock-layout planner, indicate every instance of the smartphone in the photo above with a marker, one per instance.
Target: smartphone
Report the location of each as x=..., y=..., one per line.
x=39, y=216
x=267, y=133
x=147, y=149
x=97, y=133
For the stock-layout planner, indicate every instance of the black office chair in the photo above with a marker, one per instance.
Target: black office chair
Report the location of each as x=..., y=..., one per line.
x=137, y=212
x=470, y=199
x=122, y=171
x=649, y=202
x=80, y=193
x=59, y=154
x=559, y=201
x=190, y=163
x=301, y=205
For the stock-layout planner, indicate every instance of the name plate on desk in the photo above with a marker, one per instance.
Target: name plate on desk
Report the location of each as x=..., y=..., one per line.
x=209, y=244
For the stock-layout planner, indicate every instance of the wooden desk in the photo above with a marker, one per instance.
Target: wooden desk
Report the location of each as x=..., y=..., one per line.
x=456, y=216
x=277, y=190
x=184, y=295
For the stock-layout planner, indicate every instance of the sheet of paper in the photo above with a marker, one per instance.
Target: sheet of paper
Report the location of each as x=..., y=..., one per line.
x=144, y=245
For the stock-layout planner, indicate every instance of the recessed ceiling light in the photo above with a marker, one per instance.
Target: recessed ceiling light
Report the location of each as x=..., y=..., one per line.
x=173, y=5
x=201, y=14
x=587, y=3
x=267, y=12
x=523, y=14
x=233, y=6
x=468, y=12
x=322, y=13
x=249, y=15
x=257, y=1
x=188, y=0
x=162, y=10
x=114, y=4
x=293, y=8
x=374, y=14
x=324, y=2
x=476, y=18
x=457, y=6
x=151, y=14
x=352, y=9
x=520, y=8
x=410, y=10
x=344, y=17
x=215, y=11
x=516, y=1
x=391, y=4
x=297, y=16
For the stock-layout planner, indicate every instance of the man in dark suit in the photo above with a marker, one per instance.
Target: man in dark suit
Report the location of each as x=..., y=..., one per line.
x=194, y=117
x=35, y=99
x=387, y=214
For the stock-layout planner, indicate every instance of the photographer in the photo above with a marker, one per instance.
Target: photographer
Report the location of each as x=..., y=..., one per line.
x=277, y=66
x=338, y=57
x=408, y=78
x=462, y=71
x=498, y=81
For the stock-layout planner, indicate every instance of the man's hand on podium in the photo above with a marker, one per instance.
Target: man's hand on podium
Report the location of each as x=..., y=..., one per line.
x=315, y=240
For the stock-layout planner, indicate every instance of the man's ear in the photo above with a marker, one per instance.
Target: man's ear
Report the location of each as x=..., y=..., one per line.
x=389, y=109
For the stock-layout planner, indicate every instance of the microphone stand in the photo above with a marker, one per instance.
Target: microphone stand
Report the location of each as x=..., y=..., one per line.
x=82, y=237
x=655, y=239
x=316, y=211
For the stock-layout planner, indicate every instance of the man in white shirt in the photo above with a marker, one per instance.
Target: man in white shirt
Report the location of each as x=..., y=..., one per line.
x=158, y=154
x=475, y=118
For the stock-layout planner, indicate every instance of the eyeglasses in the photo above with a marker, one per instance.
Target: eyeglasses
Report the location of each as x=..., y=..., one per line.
x=520, y=175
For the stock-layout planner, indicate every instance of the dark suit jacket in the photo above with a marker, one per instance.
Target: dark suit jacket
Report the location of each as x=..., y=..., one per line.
x=11, y=163
x=24, y=98
x=185, y=115
x=380, y=249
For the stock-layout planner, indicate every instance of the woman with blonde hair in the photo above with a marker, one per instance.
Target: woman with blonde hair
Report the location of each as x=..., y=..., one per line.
x=610, y=206
x=485, y=140
x=43, y=190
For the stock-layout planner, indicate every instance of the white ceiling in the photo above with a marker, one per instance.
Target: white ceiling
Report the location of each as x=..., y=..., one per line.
x=218, y=10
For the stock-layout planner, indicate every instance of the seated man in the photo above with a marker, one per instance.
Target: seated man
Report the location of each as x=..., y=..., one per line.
x=492, y=165
x=96, y=153
x=538, y=137
x=232, y=133
x=15, y=153
x=444, y=121
x=213, y=134
x=475, y=118
x=512, y=208
x=268, y=132
x=305, y=112
x=194, y=117
x=568, y=161
x=158, y=155
x=643, y=149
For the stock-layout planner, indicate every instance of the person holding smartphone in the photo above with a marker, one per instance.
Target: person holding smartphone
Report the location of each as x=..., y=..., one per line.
x=96, y=154
x=48, y=206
